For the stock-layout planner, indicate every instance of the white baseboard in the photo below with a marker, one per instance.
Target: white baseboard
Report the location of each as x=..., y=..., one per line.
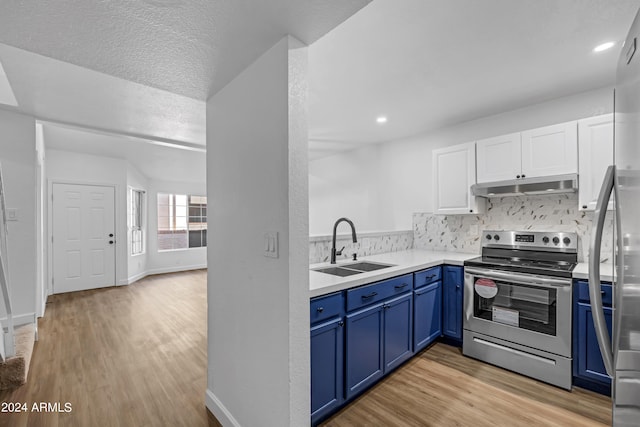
x=221, y=413
x=20, y=319
x=164, y=270
x=136, y=277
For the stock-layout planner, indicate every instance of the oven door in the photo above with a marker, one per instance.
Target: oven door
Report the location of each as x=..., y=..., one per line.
x=530, y=310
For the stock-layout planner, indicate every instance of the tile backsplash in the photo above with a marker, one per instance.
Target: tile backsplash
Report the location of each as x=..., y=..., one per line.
x=368, y=244
x=557, y=212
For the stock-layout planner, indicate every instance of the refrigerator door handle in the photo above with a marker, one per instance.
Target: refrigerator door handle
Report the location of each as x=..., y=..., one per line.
x=599, y=322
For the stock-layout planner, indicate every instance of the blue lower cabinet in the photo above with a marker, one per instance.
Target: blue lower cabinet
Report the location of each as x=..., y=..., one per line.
x=398, y=331
x=427, y=315
x=452, y=287
x=326, y=368
x=379, y=338
x=589, y=364
x=364, y=353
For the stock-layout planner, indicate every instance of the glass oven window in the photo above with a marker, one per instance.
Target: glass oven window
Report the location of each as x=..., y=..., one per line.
x=522, y=306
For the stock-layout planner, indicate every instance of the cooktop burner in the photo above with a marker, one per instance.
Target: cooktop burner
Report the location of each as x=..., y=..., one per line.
x=529, y=266
x=532, y=252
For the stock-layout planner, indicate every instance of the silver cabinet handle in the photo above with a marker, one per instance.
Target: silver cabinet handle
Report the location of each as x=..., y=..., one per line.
x=599, y=322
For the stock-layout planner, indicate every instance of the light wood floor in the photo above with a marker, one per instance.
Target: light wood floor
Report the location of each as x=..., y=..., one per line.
x=126, y=356
x=441, y=387
x=136, y=356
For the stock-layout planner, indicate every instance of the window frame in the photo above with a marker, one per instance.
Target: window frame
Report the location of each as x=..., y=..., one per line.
x=137, y=214
x=172, y=217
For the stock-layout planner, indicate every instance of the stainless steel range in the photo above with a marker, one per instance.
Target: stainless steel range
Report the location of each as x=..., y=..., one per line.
x=517, y=303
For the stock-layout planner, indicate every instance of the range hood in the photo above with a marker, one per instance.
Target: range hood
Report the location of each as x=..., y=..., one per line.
x=517, y=187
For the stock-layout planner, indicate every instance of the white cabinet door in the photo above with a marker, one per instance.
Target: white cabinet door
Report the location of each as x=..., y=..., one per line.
x=454, y=172
x=551, y=150
x=498, y=159
x=595, y=148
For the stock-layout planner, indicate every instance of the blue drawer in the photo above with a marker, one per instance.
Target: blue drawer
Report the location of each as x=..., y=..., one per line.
x=582, y=292
x=369, y=294
x=326, y=307
x=424, y=277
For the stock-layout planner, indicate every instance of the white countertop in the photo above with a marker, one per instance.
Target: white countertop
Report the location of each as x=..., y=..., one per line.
x=607, y=271
x=408, y=262
x=403, y=261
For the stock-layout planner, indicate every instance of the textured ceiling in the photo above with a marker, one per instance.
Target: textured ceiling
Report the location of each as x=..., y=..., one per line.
x=427, y=64
x=188, y=47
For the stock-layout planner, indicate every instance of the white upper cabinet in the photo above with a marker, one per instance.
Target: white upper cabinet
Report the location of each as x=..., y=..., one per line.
x=454, y=172
x=551, y=150
x=499, y=158
x=595, y=148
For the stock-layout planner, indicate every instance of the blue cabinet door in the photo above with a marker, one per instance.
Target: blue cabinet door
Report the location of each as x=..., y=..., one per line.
x=398, y=331
x=427, y=315
x=453, y=278
x=589, y=360
x=363, y=356
x=326, y=367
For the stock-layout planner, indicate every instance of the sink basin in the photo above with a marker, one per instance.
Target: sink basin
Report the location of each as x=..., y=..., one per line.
x=338, y=271
x=367, y=266
x=351, y=269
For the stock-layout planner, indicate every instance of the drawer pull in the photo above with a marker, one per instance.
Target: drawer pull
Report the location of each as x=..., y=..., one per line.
x=404, y=285
x=371, y=295
x=320, y=309
x=341, y=323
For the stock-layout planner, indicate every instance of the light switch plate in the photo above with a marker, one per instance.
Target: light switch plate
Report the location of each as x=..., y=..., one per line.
x=12, y=214
x=271, y=244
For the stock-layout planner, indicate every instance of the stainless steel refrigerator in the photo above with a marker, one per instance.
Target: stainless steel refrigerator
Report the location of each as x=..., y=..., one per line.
x=621, y=352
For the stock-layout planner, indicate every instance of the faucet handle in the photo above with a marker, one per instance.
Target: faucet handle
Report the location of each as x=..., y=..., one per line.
x=340, y=251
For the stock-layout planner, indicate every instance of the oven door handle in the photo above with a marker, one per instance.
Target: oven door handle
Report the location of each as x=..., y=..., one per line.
x=545, y=282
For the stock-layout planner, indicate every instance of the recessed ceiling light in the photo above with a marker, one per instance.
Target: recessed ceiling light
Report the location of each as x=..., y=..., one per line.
x=381, y=119
x=603, y=46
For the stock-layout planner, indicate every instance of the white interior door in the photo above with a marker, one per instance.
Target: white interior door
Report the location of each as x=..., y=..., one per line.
x=83, y=237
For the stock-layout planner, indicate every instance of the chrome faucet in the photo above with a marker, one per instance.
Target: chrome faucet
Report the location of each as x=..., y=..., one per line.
x=334, y=252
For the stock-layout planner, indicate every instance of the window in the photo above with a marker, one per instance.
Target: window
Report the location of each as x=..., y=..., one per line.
x=182, y=221
x=135, y=221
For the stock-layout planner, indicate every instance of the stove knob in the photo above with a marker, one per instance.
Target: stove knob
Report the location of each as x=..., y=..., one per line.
x=545, y=239
x=566, y=241
x=488, y=236
x=556, y=240
x=496, y=237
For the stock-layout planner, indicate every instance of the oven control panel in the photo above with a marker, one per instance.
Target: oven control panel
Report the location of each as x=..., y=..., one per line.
x=545, y=240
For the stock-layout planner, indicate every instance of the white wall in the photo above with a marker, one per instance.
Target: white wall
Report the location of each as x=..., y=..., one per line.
x=18, y=158
x=78, y=168
x=41, y=223
x=137, y=264
x=181, y=259
x=74, y=167
x=395, y=177
x=258, y=307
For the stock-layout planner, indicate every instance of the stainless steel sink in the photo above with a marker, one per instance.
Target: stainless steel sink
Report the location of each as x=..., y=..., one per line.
x=351, y=269
x=366, y=266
